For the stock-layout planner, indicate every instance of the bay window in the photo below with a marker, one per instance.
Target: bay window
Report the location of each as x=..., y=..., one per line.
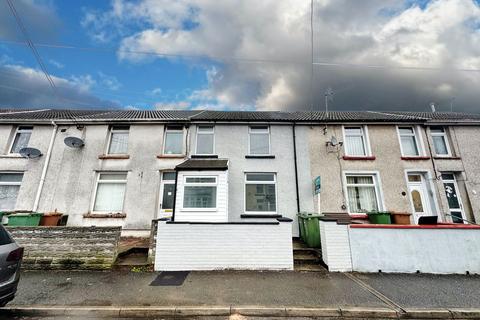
x=259, y=140
x=173, y=140
x=205, y=140
x=260, y=193
x=21, y=139
x=110, y=192
x=200, y=192
x=409, y=141
x=118, y=141
x=9, y=186
x=440, y=141
x=356, y=142
x=362, y=193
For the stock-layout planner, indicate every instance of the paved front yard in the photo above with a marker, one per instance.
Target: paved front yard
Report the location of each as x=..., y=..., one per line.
x=246, y=288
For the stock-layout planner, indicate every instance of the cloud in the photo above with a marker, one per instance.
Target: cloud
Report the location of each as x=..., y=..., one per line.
x=439, y=34
x=109, y=82
x=56, y=64
x=39, y=17
x=26, y=87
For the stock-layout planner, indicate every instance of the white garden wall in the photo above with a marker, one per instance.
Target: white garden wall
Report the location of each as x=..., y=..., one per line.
x=335, y=246
x=406, y=250
x=210, y=246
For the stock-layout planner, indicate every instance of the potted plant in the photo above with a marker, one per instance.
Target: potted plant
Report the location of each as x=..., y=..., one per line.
x=379, y=217
x=400, y=217
x=51, y=218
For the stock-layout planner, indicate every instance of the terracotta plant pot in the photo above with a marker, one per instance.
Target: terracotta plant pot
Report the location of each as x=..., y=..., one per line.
x=401, y=218
x=51, y=219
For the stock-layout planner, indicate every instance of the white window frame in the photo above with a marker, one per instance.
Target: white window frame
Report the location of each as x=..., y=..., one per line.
x=444, y=135
x=199, y=184
x=110, y=134
x=366, y=140
x=459, y=196
x=377, y=185
x=170, y=129
x=18, y=130
x=16, y=183
x=97, y=181
x=250, y=133
x=205, y=133
x=274, y=182
x=418, y=140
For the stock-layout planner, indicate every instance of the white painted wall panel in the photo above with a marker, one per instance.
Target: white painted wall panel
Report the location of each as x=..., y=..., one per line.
x=335, y=246
x=223, y=246
x=408, y=250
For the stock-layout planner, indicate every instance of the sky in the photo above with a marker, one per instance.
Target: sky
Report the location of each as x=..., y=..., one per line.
x=243, y=54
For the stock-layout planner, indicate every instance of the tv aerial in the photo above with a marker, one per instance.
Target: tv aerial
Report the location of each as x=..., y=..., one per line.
x=30, y=153
x=74, y=142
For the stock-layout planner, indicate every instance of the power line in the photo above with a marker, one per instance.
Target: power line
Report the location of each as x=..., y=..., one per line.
x=243, y=60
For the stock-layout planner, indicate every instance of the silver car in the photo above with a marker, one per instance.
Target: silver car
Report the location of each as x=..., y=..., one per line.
x=11, y=255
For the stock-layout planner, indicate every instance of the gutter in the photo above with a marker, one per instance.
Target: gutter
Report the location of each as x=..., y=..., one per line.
x=296, y=168
x=45, y=166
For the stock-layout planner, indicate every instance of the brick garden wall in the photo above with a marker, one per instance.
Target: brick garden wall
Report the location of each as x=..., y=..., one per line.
x=67, y=247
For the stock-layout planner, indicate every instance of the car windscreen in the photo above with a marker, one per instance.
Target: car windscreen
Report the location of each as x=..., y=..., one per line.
x=4, y=236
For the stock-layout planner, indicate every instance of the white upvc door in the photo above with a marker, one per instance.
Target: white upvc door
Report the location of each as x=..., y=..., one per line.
x=418, y=196
x=454, y=200
x=167, y=194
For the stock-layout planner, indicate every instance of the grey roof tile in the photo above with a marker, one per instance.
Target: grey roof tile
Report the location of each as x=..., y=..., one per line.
x=203, y=164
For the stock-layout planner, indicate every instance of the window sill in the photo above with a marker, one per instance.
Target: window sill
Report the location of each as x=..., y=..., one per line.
x=359, y=157
x=204, y=156
x=104, y=215
x=12, y=156
x=261, y=216
x=415, y=158
x=446, y=158
x=267, y=156
x=114, y=156
x=170, y=156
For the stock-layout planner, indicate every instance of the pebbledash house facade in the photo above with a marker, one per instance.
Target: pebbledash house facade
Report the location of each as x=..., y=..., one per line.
x=217, y=180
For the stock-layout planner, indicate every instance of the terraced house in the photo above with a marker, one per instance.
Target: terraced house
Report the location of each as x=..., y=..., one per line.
x=239, y=177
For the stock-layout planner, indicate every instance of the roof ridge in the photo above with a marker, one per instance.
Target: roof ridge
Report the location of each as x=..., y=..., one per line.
x=26, y=111
x=396, y=115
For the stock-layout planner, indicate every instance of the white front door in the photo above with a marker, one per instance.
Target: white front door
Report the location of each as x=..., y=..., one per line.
x=167, y=190
x=418, y=196
x=455, y=205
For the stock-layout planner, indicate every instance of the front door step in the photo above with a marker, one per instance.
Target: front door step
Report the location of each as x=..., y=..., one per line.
x=307, y=259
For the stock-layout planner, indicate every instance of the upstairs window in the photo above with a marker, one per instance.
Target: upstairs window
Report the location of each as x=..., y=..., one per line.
x=205, y=140
x=362, y=193
x=118, y=143
x=260, y=193
x=440, y=141
x=200, y=192
x=9, y=186
x=409, y=141
x=173, y=142
x=21, y=139
x=355, y=141
x=110, y=192
x=259, y=140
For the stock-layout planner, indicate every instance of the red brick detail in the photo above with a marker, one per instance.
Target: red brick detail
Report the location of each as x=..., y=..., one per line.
x=425, y=226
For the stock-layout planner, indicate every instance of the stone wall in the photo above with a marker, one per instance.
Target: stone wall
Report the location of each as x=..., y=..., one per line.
x=91, y=248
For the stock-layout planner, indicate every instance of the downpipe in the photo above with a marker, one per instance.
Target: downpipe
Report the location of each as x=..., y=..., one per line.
x=45, y=166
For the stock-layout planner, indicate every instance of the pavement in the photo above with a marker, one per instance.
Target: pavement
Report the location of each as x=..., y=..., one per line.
x=276, y=292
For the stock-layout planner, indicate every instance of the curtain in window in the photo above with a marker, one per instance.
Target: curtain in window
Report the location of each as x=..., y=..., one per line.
x=173, y=143
x=409, y=146
x=8, y=197
x=355, y=146
x=21, y=141
x=119, y=143
x=361, y=198
x=440, y=145
x=259, y=143
x=200, y=197
x=109, y=197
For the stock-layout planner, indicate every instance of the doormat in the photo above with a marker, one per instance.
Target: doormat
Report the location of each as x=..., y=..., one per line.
x=170, y=278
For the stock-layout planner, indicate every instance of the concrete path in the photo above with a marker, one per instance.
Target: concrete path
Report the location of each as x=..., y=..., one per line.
x=230, y=288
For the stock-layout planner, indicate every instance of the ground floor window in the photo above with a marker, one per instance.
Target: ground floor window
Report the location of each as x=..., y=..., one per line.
x=362, y=193
x=110, y=192
x=260, y=192
x=9, y=186
x=200, y=192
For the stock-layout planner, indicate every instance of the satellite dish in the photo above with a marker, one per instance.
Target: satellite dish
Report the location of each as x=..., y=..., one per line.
x=74, y=142
x=30, y=153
